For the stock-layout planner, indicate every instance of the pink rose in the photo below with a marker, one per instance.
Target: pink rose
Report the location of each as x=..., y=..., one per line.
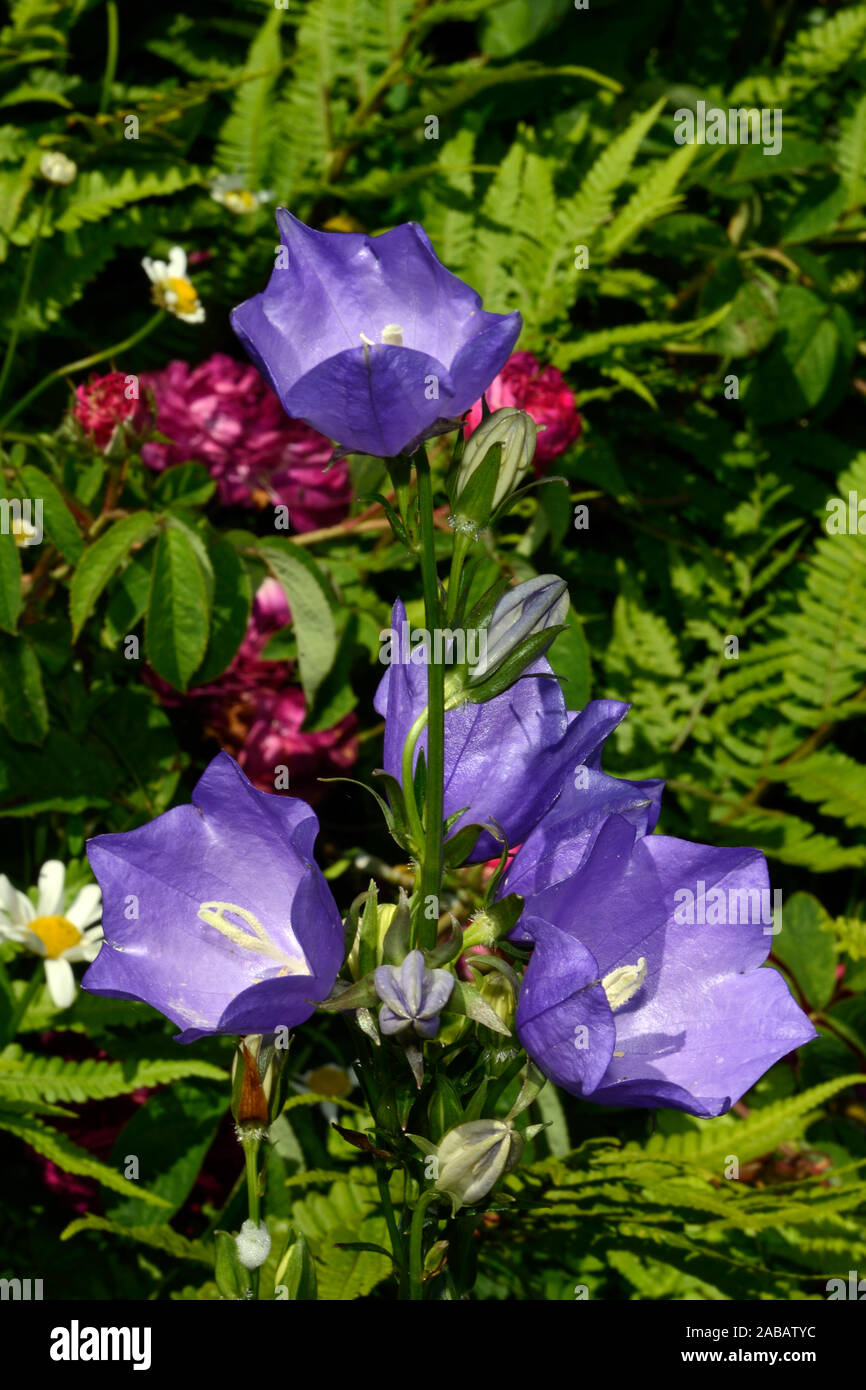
x=545, y=395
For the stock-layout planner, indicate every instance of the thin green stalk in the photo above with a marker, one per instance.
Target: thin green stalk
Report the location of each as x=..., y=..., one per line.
x=31, y=989
x=416, y=1245
x=110, y=57
x=390, y=1221
x=25, y=291
x=251, y=1159
x=462, y=542
x=431, y=867
x=80, y=365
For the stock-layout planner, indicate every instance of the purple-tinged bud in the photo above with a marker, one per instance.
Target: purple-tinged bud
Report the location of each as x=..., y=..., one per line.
x=412, y=996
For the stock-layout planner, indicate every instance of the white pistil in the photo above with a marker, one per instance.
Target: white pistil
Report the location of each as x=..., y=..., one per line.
x=256, y=939
x=622, y=984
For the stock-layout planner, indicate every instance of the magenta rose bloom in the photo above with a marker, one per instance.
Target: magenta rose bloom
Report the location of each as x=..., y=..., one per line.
x=544, y=394
x=223, y=414
x=101, y=405
x=261, y=728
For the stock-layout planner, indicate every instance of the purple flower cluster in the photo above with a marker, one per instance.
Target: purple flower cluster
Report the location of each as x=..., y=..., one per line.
x=623, y=1001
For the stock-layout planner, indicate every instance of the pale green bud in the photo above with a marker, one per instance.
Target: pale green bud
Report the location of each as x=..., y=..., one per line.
x=473, y=1157
x=516, y=432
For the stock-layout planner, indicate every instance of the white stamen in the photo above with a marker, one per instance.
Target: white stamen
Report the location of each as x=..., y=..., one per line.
x=368, y=342
x=622, y=984
x=214, y=914
x=392, y=334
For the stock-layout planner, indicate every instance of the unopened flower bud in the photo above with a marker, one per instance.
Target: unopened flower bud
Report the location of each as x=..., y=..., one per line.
x=412, y=995
x=474, y=1156
x=496, y=991
x=522, y=626
x=516, y=432
x=57, y=168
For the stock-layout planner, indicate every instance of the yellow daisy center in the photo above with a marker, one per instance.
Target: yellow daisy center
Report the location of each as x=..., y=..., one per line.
x=239, y=200
x=56, y=934
x=329, y=1081
x=183, y=300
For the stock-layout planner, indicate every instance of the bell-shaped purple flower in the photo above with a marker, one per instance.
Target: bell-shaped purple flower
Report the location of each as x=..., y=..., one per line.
x=371, y=340
x=646, y=986
x=412, y=996
x=513, y=758
x=216, y=913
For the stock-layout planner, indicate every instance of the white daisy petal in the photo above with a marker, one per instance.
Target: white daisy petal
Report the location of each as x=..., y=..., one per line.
x=15, y=908
x=176, y=269
x=52, y=879
x=86, y=908
x=61, y=982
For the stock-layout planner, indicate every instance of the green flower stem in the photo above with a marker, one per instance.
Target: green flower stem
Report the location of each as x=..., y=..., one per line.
x=110, y=57
x=416, y=1244
x=251, y=1158
x=80, y=365
x=31, y=990
x=462, y=542
x=431, y=865
x=25, y=291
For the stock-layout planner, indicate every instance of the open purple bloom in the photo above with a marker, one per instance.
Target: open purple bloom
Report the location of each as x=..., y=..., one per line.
x=412, y=995
x=216, y=913
x=645, y=985
x=512, y=758
x=371, y=340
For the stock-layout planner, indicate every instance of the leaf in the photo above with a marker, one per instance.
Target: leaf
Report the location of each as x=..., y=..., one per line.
x=178, y=612
x=805, y=945
x=60, y=525
x=232, y=603
x=23, y=708
x=312, y=619
x=33, y=1076
x=69, y=1156
x=101, y=560
x=10, y=578
x=155, y=1237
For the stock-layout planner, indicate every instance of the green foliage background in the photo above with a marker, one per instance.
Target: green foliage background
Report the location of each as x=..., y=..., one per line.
x=707, y=519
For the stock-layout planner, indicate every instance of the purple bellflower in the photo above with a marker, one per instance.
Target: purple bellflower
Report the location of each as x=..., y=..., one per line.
x=543, y=752
x=634, y=998
x=371, y=340
x=216, y=913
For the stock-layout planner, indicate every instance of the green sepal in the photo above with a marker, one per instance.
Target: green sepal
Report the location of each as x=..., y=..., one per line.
x=512, y=668
x=458, y=849
x=368, y=945
x=533, y=1082
x=396, y=523
x=446, y=950
x=475, y=502
x=231, y=1278
x=297, y=1273
x=361, y=995
x=444, y=1110
x=476, y=1105
x=466, y=1000
x=395, y=947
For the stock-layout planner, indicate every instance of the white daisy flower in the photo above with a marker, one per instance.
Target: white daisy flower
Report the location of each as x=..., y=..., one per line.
x=58, y=933
x=228, y=189
x=172, y=288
